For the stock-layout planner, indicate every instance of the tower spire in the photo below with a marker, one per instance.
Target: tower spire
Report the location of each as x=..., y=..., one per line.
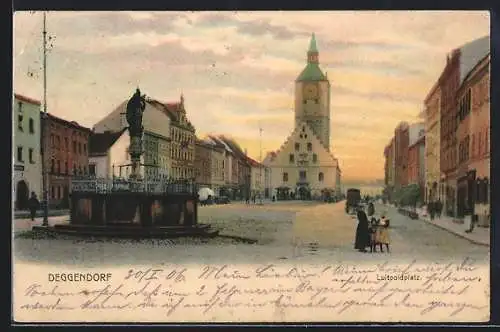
x=312, y=44
x=312, y=53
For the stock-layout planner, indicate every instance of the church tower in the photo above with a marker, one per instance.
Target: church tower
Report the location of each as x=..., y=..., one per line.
x=312, y=97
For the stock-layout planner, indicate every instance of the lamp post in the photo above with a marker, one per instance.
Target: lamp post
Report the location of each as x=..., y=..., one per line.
x=45, y=129
x=260, y=163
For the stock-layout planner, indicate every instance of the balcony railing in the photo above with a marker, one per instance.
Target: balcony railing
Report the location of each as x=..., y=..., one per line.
x=150, y=185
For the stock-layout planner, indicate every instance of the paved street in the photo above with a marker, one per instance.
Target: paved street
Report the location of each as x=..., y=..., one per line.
x=300, y=231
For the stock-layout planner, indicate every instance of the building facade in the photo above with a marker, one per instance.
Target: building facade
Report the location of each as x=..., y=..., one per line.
x=183, y=136
x=432, y=145
x=65, y=152
x=109, y=156
x=304, y=167
x=156, y=120
x=473, y=168
x=449, y=82
x=389, y=169
x=27, y=164
x=416, y=164
x=401, y=143
x=203, y=163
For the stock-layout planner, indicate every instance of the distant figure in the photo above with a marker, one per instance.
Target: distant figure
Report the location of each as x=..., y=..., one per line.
x=33, y=204
x=362, y=236
x=439, y=208
x=431, y=207
x=254, y=198
x=274, y=198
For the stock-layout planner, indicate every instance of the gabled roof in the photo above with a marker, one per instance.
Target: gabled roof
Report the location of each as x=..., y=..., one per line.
x=100, y=143
x=295, y=133
x=26, y=99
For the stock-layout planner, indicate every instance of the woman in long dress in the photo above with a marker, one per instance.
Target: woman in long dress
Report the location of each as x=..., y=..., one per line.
x=362, y=236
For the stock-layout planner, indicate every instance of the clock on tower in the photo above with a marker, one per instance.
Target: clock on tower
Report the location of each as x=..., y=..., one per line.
x=311, y=91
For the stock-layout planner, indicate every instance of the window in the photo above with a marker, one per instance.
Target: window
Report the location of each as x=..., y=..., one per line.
x=315, y=158
x=30, y=154
x=32, y=126
x=58, y=142
x=320, y=177
x=79, y=148
x=84, y=148
x=58, y=192
x=53, y=192
x=309, y=146
x=291, y=157
x=297, y=146
x=20, y=154
x=66, y=143
x=66, y=170
x=74, y=146
x=302, y=175
x=52, y=166
x=20, y=122
x=75, y=170
x=285, y=177
x=486, y=146
x=58, y=164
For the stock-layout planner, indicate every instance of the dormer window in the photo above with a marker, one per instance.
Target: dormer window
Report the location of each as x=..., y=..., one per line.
x=297, y=146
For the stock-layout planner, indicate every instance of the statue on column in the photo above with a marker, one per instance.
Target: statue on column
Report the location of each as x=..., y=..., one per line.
x=135, y=108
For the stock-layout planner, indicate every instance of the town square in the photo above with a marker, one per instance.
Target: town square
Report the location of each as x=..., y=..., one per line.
x=247, y=138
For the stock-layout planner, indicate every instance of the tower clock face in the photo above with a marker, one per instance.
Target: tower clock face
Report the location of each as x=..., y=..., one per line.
x=311, y=91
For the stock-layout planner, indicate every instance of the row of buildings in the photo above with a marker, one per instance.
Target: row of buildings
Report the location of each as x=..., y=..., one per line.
x=452, y=156
x=303, y=167
x=171, y=149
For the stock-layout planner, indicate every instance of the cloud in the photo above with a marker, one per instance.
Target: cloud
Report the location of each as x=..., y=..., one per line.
x=253, y=27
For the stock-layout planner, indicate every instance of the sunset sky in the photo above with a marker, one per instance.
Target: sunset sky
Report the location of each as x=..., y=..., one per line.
x=237, y=69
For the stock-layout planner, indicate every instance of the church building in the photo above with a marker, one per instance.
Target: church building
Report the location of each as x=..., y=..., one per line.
x=304, y=167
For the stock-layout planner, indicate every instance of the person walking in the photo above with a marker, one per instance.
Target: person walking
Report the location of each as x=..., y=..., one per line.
x=439, y=208
x=33, y=205
x=432, y=209
x=362, y=239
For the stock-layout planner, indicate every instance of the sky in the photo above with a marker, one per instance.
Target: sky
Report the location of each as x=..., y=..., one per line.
x=236, y=70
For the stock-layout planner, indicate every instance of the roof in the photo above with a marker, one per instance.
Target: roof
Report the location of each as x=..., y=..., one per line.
x=253, y=162
x=312, y=72
x=312, y=44
x=66, y=123
x=471, y=54
x=26, y=99
x=100, y=143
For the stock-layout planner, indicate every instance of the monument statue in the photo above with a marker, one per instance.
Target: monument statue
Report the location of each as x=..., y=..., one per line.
x=135, y=108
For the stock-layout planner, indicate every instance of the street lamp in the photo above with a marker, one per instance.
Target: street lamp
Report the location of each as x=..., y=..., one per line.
x=45, y=129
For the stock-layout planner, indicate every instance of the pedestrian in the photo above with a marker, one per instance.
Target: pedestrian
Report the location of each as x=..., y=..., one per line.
x=439, y=208
x=34, y=205
x=383, y=235
x=432, y=209
x=362, y=239
x=374, y=234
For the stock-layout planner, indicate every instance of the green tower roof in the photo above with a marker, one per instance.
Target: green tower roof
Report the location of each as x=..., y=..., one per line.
x=312, y=44
x=312, y=72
